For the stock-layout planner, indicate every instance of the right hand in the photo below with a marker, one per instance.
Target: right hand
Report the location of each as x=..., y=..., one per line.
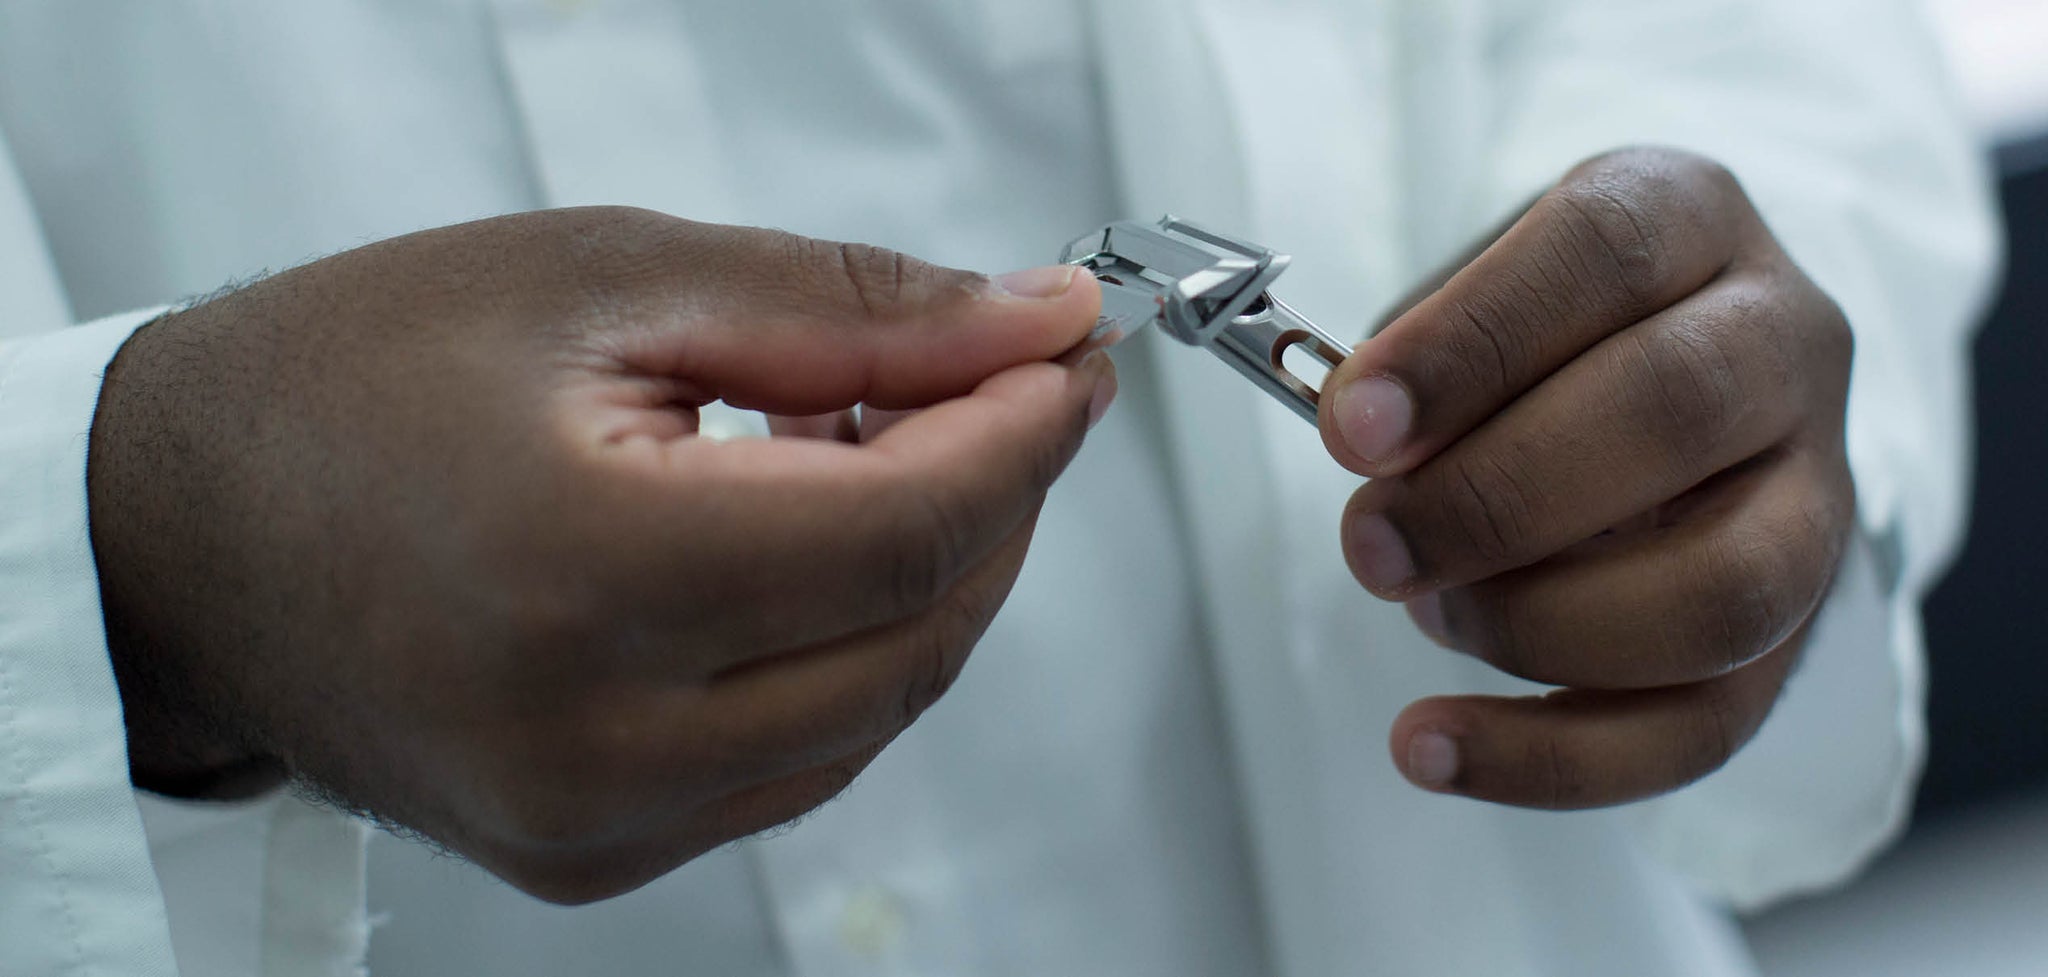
x=425, y=526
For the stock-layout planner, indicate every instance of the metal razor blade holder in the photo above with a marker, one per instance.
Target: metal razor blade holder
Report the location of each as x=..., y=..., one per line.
x=1208, y=290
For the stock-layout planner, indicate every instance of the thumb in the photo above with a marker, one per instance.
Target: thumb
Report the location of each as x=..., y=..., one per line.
x=795, y=325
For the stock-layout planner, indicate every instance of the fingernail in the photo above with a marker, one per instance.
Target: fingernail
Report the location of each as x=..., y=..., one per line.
x=1048, y=282
x=1427, y=611
x=1098, y=404
x=1373, y=416
x=1378, y=554
x=1432, y=759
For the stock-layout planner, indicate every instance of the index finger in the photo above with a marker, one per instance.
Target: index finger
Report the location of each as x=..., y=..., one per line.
x=1622, y=238
x=805, y=540
x=791, y=325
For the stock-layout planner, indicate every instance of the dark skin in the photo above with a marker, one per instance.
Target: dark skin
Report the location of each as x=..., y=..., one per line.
x=1607, y=455
x=424, y=525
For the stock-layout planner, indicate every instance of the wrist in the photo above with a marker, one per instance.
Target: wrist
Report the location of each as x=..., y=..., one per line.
x=179, y=743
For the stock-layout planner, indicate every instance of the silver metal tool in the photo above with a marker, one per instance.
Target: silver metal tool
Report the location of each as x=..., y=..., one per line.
x=1206, y=290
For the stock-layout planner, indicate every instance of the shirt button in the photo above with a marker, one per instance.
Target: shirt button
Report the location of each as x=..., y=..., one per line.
x=872, y=923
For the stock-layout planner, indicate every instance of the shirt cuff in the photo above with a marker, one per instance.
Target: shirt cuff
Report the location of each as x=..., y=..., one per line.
x=78, y=893
x=1827, y=781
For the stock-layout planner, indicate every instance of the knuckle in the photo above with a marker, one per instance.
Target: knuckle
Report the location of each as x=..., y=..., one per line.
x=1488, y=510
x=877, y=281
x=1494, y=342
x=942, y=653
x=835, y=777
x=1839, y=348
x=1046, y=459
x=579, y=781
x=602, y=230
x=614, y=246
x=946, y=640
x=575, y=878
x=546, y=879
x=552, y=806
x=926, y=553
x=1501, y=635
x=1699, y=392
x=1769, y=330
x=543, y=615
x=1677, y=175
x=1830, y=340
x=1714, y=731
x=1684, y=168
x=1635, y=213
x=1615, y=231
x=1558, y=780
x=1747, y=608
x=1040, y=446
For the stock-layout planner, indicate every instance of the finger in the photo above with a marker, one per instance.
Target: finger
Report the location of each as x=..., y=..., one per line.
x=1637, y=420
x=765, y=807
x=668, y=835
x=760, y=738
x=804, y=541
x=1746, y=564
x=843, y=426
x=793, y=325
x=1581, y=749
x=798, y=710
x=1620, y=239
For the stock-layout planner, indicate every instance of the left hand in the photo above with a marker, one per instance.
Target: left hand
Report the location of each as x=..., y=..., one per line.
x=1608, y=456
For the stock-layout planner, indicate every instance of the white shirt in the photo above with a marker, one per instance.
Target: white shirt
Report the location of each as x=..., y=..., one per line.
x=1163, y=759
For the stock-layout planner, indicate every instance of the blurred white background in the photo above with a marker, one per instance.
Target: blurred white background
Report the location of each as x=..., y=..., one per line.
x=2000, y=52
x=1966, y=894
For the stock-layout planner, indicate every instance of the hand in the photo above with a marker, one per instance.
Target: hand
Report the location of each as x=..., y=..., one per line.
x=425, y=526
x=1607, y=455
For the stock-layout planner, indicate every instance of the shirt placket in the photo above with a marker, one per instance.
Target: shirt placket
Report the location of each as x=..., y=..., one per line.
x=618, y=109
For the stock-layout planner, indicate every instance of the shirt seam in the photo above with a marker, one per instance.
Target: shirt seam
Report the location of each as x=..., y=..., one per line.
x=28, y=804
